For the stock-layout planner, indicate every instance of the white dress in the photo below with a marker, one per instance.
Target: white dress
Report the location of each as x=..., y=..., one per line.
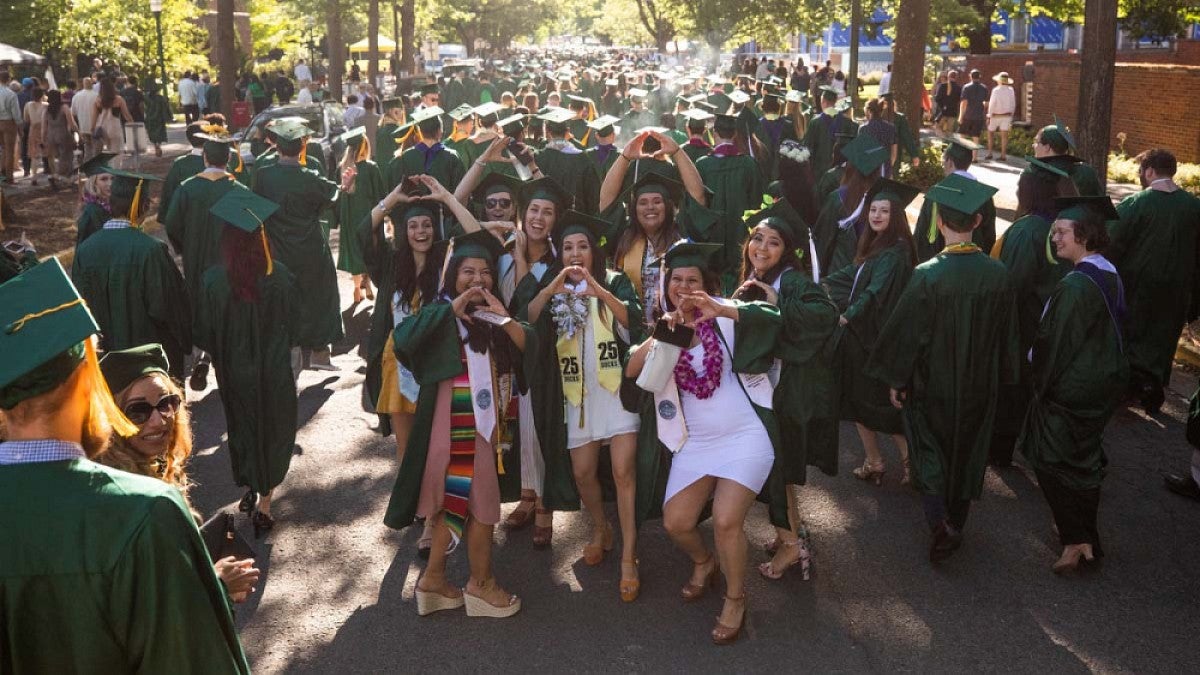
x=604, y=416
x=725, y=437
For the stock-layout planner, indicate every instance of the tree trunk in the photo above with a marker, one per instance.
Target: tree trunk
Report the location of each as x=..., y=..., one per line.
x=856, y=20
x=227, y=57
x=408, y=18
x=337, y=47
x=979, y=37
x=1096, y=76
x=373, y=42
x=908, y=62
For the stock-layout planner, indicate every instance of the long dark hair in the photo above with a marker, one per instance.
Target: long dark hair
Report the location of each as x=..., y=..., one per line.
x=670, y=230
x=797, y=180
x=404, y=266
x=788, y=259
x=245, y=264
x=483, y=337
x=1036, y=193
x=108, y=93
x=856, y=185
x=871, y=243
x=54, y=101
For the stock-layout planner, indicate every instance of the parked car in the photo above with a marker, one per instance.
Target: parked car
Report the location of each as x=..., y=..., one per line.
x=325, y=119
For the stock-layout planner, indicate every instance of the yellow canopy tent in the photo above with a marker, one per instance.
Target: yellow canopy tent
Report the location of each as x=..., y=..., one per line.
x=360, y=48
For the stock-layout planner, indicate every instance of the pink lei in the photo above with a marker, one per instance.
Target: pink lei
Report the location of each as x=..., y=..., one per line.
x=702, y=386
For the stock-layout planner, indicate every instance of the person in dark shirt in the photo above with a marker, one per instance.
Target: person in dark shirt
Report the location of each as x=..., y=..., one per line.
x=973, y=107
x=947, y=97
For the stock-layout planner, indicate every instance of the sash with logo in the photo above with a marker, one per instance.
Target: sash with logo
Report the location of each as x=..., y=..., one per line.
x=570, y=358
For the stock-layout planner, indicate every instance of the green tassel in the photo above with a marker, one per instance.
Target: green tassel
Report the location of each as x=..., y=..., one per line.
x=933, y=216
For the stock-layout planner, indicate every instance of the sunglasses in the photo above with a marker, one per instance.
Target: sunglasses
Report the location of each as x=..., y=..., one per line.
x=139, y=412
x=497, y=203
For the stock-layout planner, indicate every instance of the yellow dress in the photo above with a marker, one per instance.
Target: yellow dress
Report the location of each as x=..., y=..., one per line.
x=390, y=398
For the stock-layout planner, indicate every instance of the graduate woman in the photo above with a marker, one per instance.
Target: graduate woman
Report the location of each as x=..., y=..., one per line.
x=866, y=292
x=362, y=187
x=656, y=214
x=465, y=353
x=584, y=318
x=1079, y=373
x=713, y=411
x=838, y=225
x=805, y=386
x=252, y=302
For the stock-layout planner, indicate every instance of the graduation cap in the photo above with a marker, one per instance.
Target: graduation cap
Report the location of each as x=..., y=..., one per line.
x=653, y=129
x=842, y=106
x=1058, y=132
x=559, y=116
x=478, y=244
x=489, y=109
x=124, y=367
x=289, y=129
x=513, y=125
x=131, y=186
x=462, y=112
x=390, y=103
x=698, y=114
x=741, y=77
x=738, y=96
x=577, y=222
x=794, y=96
x=97, y=164
x=705, y=105
x=780, y=215
x=497, y=182
x=247, y=211
x=604, y=125
x=354, y=136
x=1047, y=169
x=826, y=89
x=893, y=191
x=429, y=88
x=43, y=323
x=865, y=154
x=578, y=102
x=1076, y=207
x=960, y=194
x=686, y=253
x=960, y=148
x=725, y=124
x=546, y=188
x=651, y=182
x=636, y=92
x=612, y=82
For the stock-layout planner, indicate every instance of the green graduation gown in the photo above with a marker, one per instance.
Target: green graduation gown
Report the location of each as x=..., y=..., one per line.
x=1079, y=378
x=601, y=167
x=158, y=113
x=867, y=298
x=251, y=349
x=427, y=343
x=351, y=209
x=1024, y=249
x=195, y=234
x=1154, y=247
x=805, y=399
x=91, y=218
x=574, y=172
x=828, y=182
x=1086, y=181
x=383, y=147
x=909, y=146
x=181, y=169
x=103, y=571
x=136, y=293
x=559, y=492
x=299, y=243
x=772, y=134
x=695, y=151
x=930, y=242
x=445, y=166
x=836, y=245
x=950, y=343
x=819, y=138
x=758, y=328
x=737, y=187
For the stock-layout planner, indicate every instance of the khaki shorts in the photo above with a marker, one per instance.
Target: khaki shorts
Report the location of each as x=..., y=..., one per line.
x=1000, y=123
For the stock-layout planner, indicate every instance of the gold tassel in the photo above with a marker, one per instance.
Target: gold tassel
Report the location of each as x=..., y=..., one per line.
x=20, y=323
x=135, y=209
x=364, y=151
x=304, y=153
x=262, y=230
x=933, y=216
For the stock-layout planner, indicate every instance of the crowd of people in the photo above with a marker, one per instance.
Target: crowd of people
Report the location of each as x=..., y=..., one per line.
x=588, y=276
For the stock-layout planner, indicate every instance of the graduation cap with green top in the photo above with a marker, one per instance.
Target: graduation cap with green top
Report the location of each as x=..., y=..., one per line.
x=248, y=212
x=548, y=189
x=655, y=183
x=577, y=222
x=496, y=182
x=687, y=253
x=893, y=191
x=604, y=125
x=124, y=367
x=428, y=88
x=1076, y=207
x=390, y=103
x=705, y=105
x=462, y=112
x=738, y=96
x=97, y=164
x=478, y=244
x=779, y=215
x=1049, y=170
x=960, y=194
x=131, y=186
x=43, y=325
x=960, y=148
x=865, y=154
x=725, y=124
x=1058, y=134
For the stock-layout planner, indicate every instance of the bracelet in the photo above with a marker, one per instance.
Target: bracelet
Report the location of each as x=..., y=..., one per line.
x=480, y=162
x=382, y=206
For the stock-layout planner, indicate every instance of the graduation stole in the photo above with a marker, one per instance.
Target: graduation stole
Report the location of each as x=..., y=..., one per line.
x=672, y=429
x=570, y=347
x=631, y=265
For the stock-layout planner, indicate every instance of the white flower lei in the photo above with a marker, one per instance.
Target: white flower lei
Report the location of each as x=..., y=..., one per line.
x=795, y=152
x=569, y=311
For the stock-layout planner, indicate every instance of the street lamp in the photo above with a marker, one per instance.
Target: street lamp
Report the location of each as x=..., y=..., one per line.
x=156, y=7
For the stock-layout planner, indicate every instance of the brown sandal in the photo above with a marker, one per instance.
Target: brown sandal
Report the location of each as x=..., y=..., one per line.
x=520, y=517
x=543, y=535
x=727, y=635
x=691, y=591
x=593, y=554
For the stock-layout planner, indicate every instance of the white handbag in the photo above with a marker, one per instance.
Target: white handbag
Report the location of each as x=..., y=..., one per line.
x=659, y=367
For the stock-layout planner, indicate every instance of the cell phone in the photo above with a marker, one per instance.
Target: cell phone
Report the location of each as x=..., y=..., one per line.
x=488, y=316
x=681, y=336
x=521, y=152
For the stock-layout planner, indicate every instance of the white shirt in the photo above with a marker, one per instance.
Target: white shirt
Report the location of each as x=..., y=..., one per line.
x=302, y=72
x=1003, y=100
x=187, y=91
x=352, y=114
x=885, y=83
x=305, y=96
x=81, y=107
x=762, y=71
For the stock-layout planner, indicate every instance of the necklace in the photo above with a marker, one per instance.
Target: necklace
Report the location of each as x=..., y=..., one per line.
x=701, y=386
x=962, y=247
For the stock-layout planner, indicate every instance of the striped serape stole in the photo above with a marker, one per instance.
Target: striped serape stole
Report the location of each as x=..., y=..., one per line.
x=462, y=451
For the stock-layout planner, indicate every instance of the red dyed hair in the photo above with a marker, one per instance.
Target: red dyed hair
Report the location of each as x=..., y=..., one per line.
x=245, y=261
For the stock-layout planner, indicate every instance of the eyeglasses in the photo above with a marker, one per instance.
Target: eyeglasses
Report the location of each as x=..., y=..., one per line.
x=497, y=203
x=139, y=412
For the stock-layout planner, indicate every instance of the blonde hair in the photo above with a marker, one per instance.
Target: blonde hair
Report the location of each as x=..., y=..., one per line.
x=171, y=467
